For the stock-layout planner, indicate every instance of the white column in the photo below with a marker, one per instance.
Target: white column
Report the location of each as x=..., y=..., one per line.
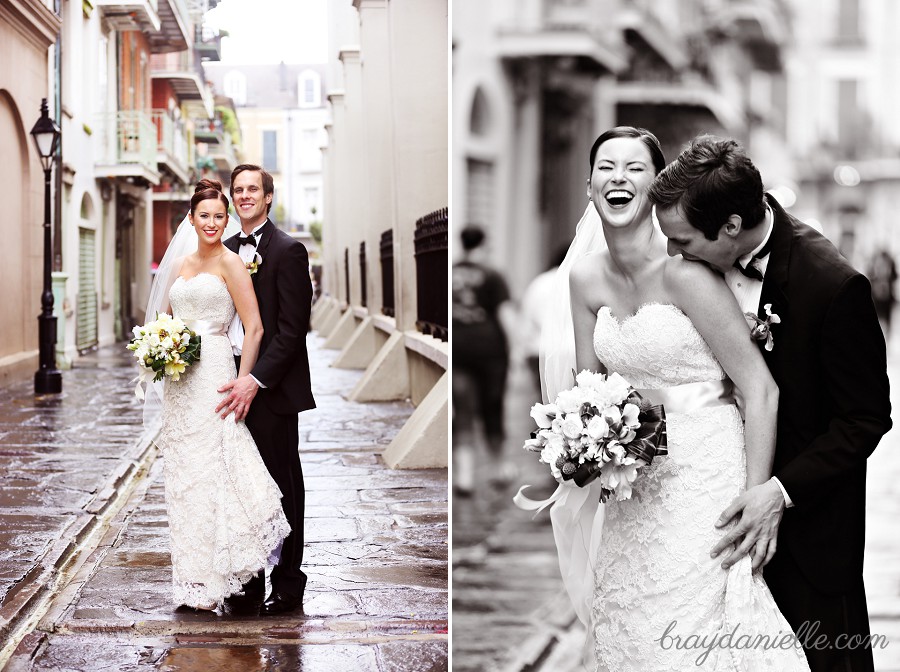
x=377, y=131
x=353, y=171
x=419, y=60
x=337, y=172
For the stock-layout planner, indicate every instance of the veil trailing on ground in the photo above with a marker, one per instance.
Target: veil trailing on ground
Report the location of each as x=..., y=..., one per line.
x=183, y=243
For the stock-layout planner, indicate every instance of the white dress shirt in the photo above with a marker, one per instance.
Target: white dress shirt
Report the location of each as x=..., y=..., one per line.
x=747, y=291
x=246, y=252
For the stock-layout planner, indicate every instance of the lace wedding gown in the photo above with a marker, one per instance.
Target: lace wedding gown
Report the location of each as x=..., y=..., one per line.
x=657, y=592
x=224, y=509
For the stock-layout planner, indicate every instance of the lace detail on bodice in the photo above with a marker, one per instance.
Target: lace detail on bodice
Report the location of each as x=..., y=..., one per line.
x=203, y=297
x=653, y=571
x=658, y=346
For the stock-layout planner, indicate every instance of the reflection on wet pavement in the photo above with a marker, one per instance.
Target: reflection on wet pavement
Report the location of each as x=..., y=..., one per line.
x=376, y=552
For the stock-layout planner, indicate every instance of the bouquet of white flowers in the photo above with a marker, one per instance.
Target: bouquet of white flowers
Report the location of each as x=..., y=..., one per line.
x=600, y=428
x=163, y=347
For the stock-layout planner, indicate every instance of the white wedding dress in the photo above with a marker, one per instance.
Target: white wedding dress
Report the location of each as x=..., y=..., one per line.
x=224, y=509
x=657, y=592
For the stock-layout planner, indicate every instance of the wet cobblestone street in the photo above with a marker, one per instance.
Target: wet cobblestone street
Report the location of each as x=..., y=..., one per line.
x=376, y=541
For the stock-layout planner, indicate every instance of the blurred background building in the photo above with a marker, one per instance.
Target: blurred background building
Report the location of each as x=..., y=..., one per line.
x=282, y=111
x=808, y=86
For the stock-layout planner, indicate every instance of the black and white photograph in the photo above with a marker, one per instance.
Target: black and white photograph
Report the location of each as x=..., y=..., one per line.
x=224, y=358
x=673, y=273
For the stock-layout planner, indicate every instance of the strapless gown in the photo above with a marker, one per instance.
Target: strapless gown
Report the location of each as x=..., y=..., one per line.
x=224, y=509
x=659, y=600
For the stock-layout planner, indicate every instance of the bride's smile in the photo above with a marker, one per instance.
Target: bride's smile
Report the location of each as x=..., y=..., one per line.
x=621, y=174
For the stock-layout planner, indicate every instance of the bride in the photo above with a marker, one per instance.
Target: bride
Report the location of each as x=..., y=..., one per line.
x=672, y=328
x=224, y=510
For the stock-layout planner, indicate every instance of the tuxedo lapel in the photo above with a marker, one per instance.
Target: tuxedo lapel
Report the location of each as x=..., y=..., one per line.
x=265, y=238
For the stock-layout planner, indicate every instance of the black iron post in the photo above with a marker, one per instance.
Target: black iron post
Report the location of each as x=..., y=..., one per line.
x=47, y=379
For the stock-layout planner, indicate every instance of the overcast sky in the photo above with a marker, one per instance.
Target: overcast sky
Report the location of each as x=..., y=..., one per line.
x=271, y=31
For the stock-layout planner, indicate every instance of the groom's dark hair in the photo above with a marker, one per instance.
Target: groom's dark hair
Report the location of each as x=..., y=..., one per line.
x=267, y=182
x=710, y=181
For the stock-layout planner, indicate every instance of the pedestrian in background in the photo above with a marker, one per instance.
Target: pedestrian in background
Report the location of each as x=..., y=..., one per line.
x=538, y=297
x=883, y=276
x=481, y=311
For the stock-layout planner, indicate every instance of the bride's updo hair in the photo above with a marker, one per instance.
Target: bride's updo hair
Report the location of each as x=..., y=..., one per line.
x=207, y=189
x=650, y=142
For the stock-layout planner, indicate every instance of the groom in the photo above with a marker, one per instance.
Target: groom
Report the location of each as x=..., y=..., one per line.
x=278, y=387
x=828, y=358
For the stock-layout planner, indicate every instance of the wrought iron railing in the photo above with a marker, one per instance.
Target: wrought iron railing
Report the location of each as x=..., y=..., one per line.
x=363, y=294
x=431, y=274
x=386, y=254
x=347, y=274
x=171, y=139
x=130, y=137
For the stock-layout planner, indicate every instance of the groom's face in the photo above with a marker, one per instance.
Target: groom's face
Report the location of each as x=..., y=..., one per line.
x=250, y=200
x=690, y=243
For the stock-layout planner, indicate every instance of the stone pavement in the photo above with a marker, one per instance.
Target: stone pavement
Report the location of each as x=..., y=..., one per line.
x=376, y=552
x=510, y=612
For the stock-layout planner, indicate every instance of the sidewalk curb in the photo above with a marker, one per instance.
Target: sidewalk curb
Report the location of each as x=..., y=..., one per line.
x=26, y=602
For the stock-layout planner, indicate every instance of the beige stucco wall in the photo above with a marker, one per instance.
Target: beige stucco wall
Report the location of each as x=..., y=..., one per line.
x=26, y=30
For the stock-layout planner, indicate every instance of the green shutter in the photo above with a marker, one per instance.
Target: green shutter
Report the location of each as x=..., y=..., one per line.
x=86, y=315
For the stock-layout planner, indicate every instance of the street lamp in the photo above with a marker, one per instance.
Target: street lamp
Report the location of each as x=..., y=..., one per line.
x=47, y=379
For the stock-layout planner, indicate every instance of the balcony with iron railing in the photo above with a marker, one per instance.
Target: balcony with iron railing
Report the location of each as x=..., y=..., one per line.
x=128, y=146
x=219, y=146
x=173, y=153
x=576, y=29
x=175, y=28
x=124, y=15
x=184, y=72
x=208, y=43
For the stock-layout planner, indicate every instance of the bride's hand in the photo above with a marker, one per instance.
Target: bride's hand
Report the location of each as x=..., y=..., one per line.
x=758, y=512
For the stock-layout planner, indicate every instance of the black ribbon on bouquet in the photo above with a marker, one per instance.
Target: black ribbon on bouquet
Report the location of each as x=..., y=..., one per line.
x=650, y=441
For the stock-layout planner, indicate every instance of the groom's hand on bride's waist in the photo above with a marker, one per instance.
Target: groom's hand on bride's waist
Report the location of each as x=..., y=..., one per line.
x=241, y=392
x=757, y=514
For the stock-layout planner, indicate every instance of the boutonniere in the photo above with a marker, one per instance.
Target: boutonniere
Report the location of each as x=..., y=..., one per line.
x=254, y=264
x=761, y=330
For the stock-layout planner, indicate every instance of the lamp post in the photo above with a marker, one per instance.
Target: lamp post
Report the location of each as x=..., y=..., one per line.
x=47, y=379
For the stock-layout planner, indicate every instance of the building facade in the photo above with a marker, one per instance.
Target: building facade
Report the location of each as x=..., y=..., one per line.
x=843, y=103
x=126, y=85
x=282, y=114
x=27, y=31
x=384, y=256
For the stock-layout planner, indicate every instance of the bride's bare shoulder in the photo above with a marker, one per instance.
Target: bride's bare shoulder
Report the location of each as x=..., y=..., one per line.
x=588, y=269
x=681, y=272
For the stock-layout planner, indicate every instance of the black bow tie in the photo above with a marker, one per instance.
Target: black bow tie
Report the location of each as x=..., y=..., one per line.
x=751, y=270
x=247, y=240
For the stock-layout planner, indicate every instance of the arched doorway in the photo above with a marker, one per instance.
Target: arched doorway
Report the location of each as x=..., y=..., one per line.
x=21, y=288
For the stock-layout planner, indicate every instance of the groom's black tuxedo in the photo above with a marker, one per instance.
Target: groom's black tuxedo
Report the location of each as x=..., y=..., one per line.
x=284, y=293
x=830, y=365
